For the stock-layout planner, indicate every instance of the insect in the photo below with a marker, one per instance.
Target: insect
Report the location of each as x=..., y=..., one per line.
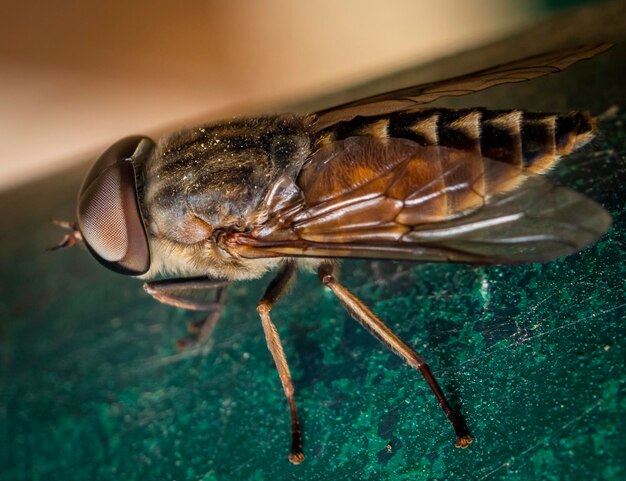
x=383, y=177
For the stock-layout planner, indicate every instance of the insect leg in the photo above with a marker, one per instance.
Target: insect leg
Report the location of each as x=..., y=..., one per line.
x=277, y=287
x=168, y=291
x=379, y=329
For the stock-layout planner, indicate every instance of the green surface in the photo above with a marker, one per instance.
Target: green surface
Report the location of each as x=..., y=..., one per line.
x=91, y=386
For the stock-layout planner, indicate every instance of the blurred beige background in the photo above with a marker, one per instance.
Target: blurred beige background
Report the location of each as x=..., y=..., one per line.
x=76, y=76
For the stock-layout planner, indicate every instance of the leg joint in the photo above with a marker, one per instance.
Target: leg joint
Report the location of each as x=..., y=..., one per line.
x=325, y=273
x=288, y=388
x=264, y=307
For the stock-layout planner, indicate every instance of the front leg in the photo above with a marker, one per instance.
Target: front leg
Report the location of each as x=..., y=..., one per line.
x=176, y=292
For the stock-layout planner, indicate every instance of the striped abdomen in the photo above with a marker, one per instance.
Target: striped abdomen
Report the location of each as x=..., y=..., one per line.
x=436, y=184
x=532, y=141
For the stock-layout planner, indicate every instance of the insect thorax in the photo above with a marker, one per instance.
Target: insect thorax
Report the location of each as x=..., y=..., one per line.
x=218, y=174
x=215, y=177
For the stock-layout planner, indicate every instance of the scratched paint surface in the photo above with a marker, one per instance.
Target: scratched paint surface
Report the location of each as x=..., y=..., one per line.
x=92, y=388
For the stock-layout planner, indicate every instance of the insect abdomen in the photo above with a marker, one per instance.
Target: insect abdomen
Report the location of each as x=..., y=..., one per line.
x=462, y=175
x=532, y=141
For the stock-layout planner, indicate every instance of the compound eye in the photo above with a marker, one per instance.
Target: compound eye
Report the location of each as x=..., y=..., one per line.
x=109, y=217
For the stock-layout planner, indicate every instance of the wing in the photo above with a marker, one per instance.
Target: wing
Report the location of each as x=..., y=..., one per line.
x=368, y=198
x=518, y=71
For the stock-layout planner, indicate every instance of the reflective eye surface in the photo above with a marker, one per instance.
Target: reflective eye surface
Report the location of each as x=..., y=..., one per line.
x=108, y=209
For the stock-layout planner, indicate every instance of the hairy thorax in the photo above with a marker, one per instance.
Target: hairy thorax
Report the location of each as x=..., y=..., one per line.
x=215, y=179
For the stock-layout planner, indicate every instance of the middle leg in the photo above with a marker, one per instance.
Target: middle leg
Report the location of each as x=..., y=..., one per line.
x=273, y=292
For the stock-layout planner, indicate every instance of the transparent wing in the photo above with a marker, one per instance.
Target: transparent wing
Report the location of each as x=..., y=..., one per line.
x=361, y=197
x=518, y=71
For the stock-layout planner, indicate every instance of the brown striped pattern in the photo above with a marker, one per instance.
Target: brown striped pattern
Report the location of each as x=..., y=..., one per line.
x=532, y=141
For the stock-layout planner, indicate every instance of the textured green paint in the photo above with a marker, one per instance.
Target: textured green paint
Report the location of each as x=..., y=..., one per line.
x=92, y=388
